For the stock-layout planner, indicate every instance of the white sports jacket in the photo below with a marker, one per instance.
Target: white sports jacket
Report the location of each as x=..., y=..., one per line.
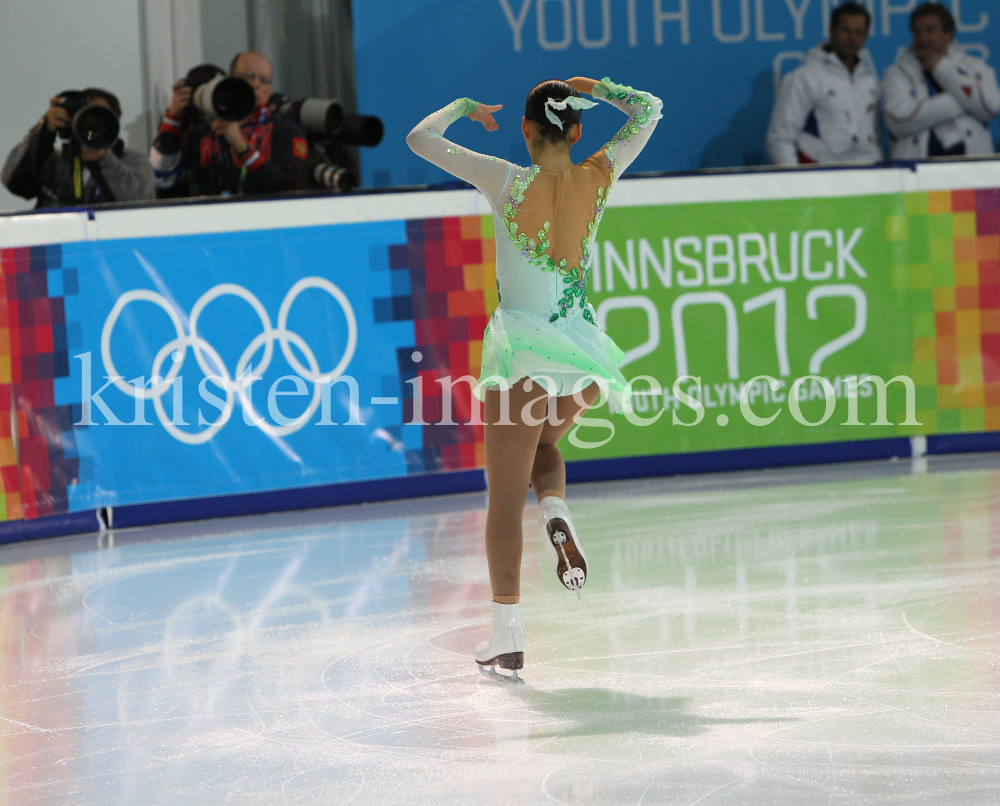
x=961, y=113
x=826, y=112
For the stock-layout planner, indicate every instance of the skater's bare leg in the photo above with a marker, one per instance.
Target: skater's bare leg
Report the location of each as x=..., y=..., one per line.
x=510, y=451
x=548, y=472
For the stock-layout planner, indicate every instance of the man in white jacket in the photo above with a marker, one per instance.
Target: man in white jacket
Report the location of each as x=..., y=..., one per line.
x=827, y=109
x=939, y=101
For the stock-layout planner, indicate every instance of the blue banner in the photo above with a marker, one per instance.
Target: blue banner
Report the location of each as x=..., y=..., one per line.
x=202, y=312
x=714, y=63
x=163, y=368
x=218, y=319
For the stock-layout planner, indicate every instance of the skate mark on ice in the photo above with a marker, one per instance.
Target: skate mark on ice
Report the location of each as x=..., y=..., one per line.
x=833, y=680
x=719, y=789
x=545, y=785
x=992, y=655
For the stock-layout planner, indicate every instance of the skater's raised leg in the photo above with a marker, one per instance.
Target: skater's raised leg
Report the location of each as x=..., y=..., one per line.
x=548, y=478
x=548, y=471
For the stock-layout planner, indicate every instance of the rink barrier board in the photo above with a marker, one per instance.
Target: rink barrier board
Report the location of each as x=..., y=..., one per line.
x=247, y=504
x=911, y=289
x=467, y=207
x=470, y=481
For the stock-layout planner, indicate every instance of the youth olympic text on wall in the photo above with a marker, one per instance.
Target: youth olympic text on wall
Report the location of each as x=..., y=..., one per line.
x=715, y=64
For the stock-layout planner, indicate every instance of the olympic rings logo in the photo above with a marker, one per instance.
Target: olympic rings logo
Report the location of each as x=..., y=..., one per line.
x=211, y=363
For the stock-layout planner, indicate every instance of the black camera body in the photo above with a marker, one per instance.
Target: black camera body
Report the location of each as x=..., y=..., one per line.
x=92, y=125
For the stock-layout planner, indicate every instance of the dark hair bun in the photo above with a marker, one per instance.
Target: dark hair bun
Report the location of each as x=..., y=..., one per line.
x=534, y=109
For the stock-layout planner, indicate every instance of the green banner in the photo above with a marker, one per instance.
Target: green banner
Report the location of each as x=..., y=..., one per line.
x=814, y=294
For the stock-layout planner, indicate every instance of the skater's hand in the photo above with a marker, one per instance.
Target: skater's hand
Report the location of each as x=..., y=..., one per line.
x=484, y=114
x=583, y=85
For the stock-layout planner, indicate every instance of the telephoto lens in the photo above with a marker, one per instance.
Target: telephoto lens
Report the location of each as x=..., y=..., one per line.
x=92, y=125
x=360, y=130
x=315, y=115
x=226, y=98
x=330, y=175
x=95, y=126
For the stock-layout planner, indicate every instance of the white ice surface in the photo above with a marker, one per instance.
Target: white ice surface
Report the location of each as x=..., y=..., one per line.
x=805, y=636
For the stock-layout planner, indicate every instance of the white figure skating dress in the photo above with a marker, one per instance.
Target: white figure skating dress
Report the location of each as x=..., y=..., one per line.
x=546, y=224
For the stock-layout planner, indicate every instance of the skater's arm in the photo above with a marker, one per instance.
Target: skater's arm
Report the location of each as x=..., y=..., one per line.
x=488, y=174
x=643, y=110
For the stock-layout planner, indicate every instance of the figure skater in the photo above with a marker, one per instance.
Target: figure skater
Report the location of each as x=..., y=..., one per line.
x=545, y=361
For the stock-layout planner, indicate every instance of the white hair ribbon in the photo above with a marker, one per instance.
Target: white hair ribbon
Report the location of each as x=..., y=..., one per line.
x=571, y=101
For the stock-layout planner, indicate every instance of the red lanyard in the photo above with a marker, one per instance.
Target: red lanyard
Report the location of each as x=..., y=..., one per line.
x=257, y=134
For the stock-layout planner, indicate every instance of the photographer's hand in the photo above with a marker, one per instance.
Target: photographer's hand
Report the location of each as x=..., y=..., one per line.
x=231, y=131
x=56, y=118
x=181, y=99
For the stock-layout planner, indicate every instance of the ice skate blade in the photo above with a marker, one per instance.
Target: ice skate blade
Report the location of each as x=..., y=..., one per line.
x=571, y=567
x=492, y=674
x=511, y=661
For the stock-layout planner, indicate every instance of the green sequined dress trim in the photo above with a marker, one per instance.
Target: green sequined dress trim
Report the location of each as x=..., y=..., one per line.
x=638, y=121
x=574, y=280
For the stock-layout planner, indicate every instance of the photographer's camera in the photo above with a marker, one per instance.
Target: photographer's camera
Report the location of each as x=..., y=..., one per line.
x=91, y=124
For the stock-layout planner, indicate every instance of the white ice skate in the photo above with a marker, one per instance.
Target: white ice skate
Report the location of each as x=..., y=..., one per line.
x=505, y=647
x=562, y=543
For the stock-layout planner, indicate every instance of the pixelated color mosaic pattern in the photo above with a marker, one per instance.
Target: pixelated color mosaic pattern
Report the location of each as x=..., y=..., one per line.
x=952, y=269
x=10, y=477
x=444, y=281
x=34, y=343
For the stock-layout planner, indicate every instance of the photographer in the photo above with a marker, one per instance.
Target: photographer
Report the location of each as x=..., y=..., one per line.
x=195, y=156
x=36, y=170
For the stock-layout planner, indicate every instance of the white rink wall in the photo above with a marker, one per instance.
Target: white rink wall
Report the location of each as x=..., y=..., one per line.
x=188, y=219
